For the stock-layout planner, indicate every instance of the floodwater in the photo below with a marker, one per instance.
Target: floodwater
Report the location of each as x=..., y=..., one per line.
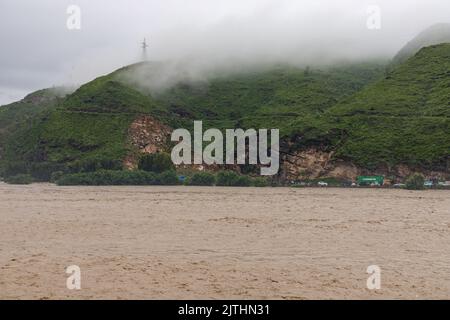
x=223, y=243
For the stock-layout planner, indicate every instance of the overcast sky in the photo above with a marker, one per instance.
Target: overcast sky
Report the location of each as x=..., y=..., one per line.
x=38, y=50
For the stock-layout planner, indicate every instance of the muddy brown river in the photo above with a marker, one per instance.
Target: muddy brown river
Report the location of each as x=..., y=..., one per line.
x=223, y=243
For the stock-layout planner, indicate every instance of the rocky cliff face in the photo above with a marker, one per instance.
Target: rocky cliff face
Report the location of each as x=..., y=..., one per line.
x=313, y=163
x=146, y=135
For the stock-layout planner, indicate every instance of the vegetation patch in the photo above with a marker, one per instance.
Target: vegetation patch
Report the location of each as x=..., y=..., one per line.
x=19, y=179
x=415, y=182
x=202, y=179
x=157, y=162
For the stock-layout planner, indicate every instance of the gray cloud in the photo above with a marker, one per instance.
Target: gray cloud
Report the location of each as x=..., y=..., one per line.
x=38, y=50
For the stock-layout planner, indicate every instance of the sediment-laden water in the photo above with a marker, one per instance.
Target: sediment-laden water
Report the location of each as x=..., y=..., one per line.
x=225, y=243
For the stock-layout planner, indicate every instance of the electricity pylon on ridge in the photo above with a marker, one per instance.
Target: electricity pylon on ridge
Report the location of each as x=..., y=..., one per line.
x=144, y=47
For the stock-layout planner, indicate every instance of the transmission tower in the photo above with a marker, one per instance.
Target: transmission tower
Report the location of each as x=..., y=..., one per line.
x=144, y=47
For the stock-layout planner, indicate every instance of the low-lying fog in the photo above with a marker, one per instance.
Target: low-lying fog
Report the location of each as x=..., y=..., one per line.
x=39, y=50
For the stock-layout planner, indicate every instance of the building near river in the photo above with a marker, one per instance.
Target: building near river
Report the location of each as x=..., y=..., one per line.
x=370, y=180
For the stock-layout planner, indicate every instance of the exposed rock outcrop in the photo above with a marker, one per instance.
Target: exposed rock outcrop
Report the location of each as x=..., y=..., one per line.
x=146, y=135
x=313, y=163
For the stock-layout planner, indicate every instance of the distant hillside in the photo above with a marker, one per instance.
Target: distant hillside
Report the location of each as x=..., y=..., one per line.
x=15, y=113
x=93, y=123
x=436, y=34
x=403, y=119
x=334, y=122
x=21, y=115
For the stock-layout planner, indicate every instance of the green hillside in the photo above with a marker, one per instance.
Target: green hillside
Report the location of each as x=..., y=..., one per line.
x=11, y=116
x=21, y=115
x=402, y=119
x=266, y=99
x=92, y=123
x=366, y=116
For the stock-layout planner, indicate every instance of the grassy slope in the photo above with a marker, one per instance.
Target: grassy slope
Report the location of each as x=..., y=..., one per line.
x=20, y=116
x=14, y=114
x=402, y=119
x=265, y=99
x=93, y=122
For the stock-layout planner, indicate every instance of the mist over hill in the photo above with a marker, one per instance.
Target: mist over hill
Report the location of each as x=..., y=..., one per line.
x=39, y=51
x=338, y=121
